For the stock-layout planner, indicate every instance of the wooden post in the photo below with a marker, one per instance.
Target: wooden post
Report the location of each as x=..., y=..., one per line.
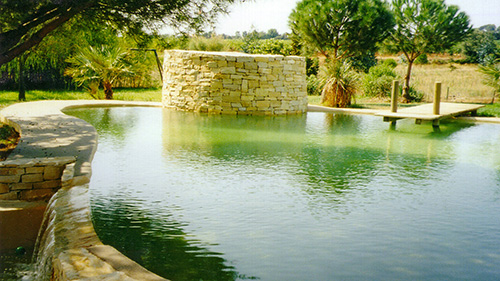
x=394, y=96
x=394, y=101
x=437, y=98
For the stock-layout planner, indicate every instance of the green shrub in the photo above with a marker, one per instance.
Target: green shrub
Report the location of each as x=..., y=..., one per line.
x=390, y=62
x=314, y=85
x=422, y=59
x=213, y=44
x=414, y=94
x=378, y=81
x=268, y=46
x=312, y=66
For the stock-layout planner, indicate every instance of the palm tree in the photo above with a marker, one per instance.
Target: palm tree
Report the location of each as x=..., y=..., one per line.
x=491, y=74
x=94, y=67
x=339, y=82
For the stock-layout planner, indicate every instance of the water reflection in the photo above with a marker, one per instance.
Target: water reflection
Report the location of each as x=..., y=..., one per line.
x=158, y=243
x=115, y=124
x=312, y=197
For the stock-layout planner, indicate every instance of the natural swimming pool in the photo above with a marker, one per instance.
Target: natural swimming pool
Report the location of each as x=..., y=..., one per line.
x=312, y=197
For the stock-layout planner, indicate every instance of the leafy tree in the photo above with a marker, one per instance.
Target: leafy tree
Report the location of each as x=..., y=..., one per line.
x=271, y=33
x=340, y=29
x=425, y=26
x=25, y=23
x=346, y=32
x=480, y=47
x=96, y=67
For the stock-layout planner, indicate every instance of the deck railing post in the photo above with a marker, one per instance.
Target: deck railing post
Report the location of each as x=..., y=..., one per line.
x=394, y=96
x=437, y=98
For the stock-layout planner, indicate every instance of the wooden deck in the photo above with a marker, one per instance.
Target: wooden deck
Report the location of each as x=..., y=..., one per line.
x=425, y=112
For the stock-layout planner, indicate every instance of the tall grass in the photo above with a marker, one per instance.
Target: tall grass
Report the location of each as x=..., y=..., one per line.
x=461, y=83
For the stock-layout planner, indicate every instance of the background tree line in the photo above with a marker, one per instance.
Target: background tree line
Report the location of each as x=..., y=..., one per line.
x=340, y=38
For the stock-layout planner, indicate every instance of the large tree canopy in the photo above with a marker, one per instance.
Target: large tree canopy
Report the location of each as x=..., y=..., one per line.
x=24, y=23
x=425, y=26
x=340, y=28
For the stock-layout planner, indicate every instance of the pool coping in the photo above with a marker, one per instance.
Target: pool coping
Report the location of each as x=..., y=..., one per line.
x=47, y=132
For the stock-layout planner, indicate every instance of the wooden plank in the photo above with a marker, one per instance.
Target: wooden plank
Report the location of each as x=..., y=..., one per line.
x=425, y=111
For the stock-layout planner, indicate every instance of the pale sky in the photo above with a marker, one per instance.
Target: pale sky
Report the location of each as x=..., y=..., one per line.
x=266, y=14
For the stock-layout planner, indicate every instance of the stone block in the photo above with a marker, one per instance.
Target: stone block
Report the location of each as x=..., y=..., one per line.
x=230, y=99
x=265, y=71
x=212, y=64
x=245, y=59
x=13, y=195
x=251, y=65
x=47, y=184
x=53, y=172
x=278, y=83
x=275, y=104
x=228, y=70
x=244, y=86
x=216, y=85
x=21, y=185
x=262, y=58
x=4, y=188
x=262, y=64
x=29, y=178
x=10, y=179
x=263, y=104
x=253, y=84
x=11, y=171
x=232, y=86
x=261, y=92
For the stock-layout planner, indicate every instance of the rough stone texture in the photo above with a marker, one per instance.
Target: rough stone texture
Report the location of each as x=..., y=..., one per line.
x=234, y=83
x=34, y=178
x=71, y=250
x=4, y=188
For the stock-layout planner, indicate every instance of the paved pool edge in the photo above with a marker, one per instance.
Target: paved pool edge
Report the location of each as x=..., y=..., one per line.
x=47, y=132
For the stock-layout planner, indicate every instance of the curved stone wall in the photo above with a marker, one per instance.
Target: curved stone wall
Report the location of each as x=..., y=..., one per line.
x=234, y=83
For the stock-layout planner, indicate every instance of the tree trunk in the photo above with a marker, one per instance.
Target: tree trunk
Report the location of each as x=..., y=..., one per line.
x=108, y=90
x=406, y=86
x=22, y=87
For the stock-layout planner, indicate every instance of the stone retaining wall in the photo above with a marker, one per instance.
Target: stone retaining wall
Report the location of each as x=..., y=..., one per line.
x=234, y=83
x=32, y=179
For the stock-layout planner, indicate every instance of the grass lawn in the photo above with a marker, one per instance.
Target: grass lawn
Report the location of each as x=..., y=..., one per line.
x=10, y=97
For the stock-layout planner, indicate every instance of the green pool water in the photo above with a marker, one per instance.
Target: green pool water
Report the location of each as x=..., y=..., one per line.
x=312, y=197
